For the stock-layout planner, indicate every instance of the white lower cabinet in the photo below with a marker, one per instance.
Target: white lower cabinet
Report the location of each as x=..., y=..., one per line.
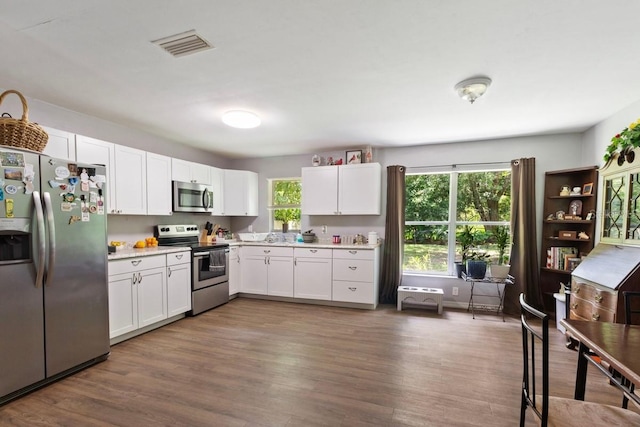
x=312, y=273
x=355, y=275
x=235, y=272
x=137, y=293
x=267, y=270
x=178, y=283
x=146, y=291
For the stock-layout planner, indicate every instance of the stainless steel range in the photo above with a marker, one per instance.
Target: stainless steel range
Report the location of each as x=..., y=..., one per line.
x=209, y=265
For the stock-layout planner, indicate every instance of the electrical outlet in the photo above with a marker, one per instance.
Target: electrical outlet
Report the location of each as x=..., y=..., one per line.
x=454, y=292
x=250, y=228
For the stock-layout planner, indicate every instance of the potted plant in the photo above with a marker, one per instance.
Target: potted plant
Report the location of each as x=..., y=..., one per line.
x=477, y=264
x=466, y=239
x=624, y=143
x=501, y=269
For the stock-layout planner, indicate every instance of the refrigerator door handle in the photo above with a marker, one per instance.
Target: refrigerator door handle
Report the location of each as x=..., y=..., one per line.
x=51, y=228
x=37, y=203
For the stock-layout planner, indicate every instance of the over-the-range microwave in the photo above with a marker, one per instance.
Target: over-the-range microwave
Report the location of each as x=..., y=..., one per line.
x=192, y=197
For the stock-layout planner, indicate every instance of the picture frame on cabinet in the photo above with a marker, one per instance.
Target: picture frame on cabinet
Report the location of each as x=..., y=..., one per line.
x=587, y=189
x=354, y=157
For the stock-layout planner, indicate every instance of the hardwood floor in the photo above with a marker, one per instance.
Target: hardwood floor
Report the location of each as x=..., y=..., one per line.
x=265, y=363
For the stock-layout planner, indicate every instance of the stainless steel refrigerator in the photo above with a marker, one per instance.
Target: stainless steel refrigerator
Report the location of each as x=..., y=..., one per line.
x=54, y=317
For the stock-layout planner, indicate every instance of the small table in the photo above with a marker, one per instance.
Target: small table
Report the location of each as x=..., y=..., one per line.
x=499, y=294
x=617, y=344
x=420, y=296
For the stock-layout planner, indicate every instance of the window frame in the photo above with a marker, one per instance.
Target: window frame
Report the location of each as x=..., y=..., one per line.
x=452, y=222
x=271, y=208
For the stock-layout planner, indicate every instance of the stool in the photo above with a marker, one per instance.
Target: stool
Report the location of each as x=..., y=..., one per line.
x=420, y=296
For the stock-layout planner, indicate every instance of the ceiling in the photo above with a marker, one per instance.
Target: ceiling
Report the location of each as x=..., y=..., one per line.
x=328, y=74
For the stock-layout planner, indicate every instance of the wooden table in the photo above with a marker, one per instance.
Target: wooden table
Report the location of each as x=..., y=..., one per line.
x=616, y=344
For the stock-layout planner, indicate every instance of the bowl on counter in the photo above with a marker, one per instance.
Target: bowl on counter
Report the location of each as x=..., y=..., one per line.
x=252, y=237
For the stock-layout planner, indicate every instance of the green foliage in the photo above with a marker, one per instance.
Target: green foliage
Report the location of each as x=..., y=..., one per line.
x=286, y=193
x=626, y=140
x=466, y=239
x=502, y=240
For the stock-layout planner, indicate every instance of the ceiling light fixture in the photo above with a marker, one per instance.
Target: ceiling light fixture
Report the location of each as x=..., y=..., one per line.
x=472, y=89
x=241, y=119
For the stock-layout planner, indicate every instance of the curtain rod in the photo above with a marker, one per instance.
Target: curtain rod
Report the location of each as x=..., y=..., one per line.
x=461, y=164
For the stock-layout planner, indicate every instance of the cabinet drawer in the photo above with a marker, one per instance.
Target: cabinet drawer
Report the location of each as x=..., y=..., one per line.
x=353, y=254
x=585, y=310
x=312, y=253
x=600, y=297
x=179, y=258
x=267, y=250
x=357, y=292
x=130, y=265
x=355, y=270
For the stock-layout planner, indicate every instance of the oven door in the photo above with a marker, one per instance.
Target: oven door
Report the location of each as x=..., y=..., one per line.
x=192, y=197
x=210, y=267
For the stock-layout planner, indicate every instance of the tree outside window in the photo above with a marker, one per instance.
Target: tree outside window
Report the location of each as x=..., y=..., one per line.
x=285, y=204
x=440, y=205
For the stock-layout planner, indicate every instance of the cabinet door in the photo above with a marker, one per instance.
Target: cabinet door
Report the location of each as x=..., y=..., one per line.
x=152, y=296
x=312, y=278
x=280, y=276
x=61, y=144
x=217, y=184
x=320, y=190
x=200, y=173
x=178, y=289
x=359, y=189
x=95, y=151
x=235, y=271
x=234, y=188
x=251, y=192
x=254, y=275
x=180, y=170
x=123, y=304
x=158, y=185
x=131, y=181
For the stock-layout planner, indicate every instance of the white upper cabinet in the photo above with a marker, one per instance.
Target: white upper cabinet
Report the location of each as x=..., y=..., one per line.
x=131, y=181
x=61, y=144
x=342, y=190
x=158, y=184
x=97, y=152
x=240, y=193
x=217, y=184
x=185, y=171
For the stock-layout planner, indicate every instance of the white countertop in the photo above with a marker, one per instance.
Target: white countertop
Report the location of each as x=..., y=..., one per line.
x=134, y=252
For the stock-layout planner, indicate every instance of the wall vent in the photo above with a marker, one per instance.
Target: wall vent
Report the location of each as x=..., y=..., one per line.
x=183, y=44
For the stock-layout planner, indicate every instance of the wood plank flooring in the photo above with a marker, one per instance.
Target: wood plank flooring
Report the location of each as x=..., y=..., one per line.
x=265, y=363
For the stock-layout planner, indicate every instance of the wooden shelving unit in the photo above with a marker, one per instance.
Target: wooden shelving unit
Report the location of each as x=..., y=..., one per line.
x=550, y=277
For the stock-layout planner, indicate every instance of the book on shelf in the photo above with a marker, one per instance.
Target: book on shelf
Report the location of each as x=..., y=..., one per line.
x=558, y=257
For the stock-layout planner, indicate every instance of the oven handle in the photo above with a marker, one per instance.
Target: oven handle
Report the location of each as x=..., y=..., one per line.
x=201, y=254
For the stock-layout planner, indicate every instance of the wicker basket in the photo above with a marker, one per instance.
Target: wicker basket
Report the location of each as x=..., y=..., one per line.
x=21, y=133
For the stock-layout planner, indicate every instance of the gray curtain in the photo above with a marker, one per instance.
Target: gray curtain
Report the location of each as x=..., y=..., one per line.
x=524, y=253
x=393, y=236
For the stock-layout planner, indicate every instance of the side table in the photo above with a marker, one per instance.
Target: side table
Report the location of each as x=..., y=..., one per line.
x=499, y=293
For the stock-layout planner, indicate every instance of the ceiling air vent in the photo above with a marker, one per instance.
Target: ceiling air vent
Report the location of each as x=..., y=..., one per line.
x=183, y=44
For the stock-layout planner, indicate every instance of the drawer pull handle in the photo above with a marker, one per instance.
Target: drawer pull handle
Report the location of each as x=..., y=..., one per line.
x=136, y=262
x=352, y=289
x=352, y=268
x=179, y=256
x=598, y=298
x=574, y=305
x=169, y=271
x=313, y=251
x=595, y=316
x=353, y=252
x=266, y=251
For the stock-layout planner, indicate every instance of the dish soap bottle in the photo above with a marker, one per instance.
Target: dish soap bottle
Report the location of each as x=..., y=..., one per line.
x=299, y=238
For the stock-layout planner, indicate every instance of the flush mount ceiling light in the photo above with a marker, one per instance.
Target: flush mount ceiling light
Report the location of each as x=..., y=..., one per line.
x=241, y=119
x=472, y=89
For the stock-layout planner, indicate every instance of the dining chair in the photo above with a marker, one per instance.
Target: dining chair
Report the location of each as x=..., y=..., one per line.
x=629, y=311
x=551, y=410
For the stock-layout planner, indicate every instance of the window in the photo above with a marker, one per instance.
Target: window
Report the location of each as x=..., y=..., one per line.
x=285, y=196
x=442, y=205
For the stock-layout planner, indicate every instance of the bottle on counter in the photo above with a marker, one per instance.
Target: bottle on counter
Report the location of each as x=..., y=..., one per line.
x=299, y=238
